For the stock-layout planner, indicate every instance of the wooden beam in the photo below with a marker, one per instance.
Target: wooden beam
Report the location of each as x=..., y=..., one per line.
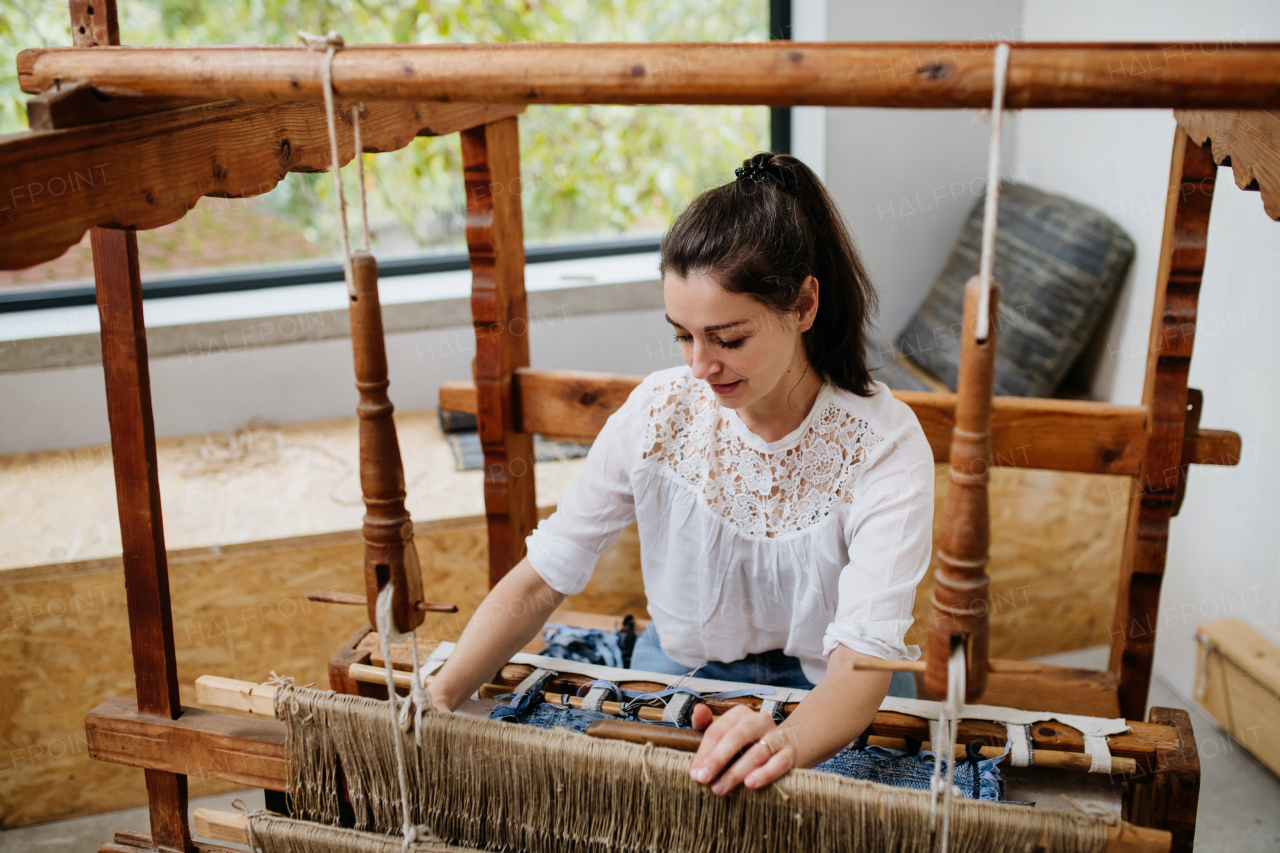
x=499, y=311
x=1246, y=140
x=78, y=104
x=1067, y=435
x=947, y=75
x=148, y=171
x=1156, y=490
x=1171, y=797
x=248, y=751
x=1027, y=432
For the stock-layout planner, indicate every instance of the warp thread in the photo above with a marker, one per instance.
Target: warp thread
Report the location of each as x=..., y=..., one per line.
x=494, y=785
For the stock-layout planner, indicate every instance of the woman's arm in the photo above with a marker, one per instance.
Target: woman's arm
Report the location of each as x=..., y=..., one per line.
x=838, y=710
x=509, y=617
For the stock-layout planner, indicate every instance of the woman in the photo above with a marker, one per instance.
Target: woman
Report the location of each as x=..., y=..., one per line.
x=784, y=499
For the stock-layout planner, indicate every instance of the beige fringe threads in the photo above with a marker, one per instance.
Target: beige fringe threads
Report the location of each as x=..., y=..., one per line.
x=492, y=785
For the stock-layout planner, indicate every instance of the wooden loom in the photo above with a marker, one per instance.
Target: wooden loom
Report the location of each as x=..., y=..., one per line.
x=148, y=117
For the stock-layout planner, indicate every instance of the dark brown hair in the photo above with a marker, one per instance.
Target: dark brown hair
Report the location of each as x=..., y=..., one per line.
x=762, y=235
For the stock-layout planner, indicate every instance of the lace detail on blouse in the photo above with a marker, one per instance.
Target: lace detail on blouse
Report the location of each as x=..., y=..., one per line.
x=761, y=493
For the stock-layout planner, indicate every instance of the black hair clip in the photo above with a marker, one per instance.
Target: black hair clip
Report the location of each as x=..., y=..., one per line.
x=764, y=173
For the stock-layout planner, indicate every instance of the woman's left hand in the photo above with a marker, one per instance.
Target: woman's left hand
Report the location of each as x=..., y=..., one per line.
x=770, y=756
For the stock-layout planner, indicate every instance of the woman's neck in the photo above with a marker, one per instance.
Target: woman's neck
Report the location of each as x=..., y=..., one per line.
x=782, y=410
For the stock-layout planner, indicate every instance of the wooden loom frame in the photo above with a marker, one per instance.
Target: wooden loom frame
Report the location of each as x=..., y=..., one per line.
x=151, y=110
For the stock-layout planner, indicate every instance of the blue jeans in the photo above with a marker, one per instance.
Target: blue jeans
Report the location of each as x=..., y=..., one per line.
x=772, y=668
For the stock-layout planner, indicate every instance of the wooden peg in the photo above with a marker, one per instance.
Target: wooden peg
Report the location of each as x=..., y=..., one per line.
x=328, y=596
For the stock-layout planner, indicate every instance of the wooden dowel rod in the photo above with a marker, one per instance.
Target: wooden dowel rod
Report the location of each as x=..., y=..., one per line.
x=994, y=665
x=943, y=75
x=687, y=740
x=231, y=827
x=328, y=596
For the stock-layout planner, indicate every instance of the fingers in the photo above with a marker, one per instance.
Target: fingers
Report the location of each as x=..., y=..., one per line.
x=722, y=743
x=751, y=765
x=702, y=716
x=782, y=763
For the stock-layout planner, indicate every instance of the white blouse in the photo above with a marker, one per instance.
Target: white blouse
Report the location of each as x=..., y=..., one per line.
x=746, y=545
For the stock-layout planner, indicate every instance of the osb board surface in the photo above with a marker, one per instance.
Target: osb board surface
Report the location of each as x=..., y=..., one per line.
x=65, y=648
x=1056, y=538
x=292, y=481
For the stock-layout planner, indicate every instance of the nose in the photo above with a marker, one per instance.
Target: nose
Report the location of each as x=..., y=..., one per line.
x=702, y=361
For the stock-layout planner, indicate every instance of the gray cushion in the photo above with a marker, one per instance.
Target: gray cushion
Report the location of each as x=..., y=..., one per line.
x=1058, y=264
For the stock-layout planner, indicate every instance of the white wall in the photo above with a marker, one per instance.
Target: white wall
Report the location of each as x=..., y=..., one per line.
x=1224, y=546
x=905, y=179
x=311, y=380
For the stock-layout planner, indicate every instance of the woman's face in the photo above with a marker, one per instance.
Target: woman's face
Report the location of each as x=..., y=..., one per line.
x=744, y=350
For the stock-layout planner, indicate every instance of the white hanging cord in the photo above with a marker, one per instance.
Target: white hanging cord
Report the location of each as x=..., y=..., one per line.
x=943, y=743
x=390, y=636
x=992, y=206
x=364, y=202
x=331, y=44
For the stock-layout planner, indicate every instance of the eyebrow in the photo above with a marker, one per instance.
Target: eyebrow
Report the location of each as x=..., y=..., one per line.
x=708, y=328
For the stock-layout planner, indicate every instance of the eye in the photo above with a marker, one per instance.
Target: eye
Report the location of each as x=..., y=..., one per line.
x=732, y=344
x=684, y=339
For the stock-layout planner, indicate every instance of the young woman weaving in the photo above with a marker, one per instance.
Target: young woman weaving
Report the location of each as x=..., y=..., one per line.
x=784, y=499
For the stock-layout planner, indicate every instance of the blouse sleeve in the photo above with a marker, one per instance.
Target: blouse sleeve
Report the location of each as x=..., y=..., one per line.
x=563, y=549
x=890, y=536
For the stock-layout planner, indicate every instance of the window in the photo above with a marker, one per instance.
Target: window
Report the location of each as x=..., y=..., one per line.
x=591, y=173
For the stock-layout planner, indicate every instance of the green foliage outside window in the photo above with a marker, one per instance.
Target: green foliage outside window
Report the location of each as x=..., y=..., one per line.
x=589, y=172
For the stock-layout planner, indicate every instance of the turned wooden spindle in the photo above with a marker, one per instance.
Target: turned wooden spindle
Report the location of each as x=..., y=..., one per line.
x=389, y=552
x=960, y=604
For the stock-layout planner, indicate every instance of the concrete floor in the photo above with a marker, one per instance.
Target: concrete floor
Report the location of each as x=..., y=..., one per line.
x=1239, y=798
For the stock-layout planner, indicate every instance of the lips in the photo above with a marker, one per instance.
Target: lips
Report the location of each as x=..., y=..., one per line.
x=725, y=389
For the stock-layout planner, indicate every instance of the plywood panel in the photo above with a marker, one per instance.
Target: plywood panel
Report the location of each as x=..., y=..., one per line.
x=1056, y=539
x=64, y=645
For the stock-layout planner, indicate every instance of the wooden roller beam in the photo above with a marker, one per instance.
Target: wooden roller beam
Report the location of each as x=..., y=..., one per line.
x=1027, y=432
x=148, y=171
x=945, y=75
x=231, y=827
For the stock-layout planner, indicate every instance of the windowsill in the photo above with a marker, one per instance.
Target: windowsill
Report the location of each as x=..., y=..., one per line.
x=67, y=337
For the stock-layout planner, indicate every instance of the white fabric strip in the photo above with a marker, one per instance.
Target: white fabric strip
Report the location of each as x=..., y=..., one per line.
x=772, y=707
x=1099, y=753
x=538, y=676
x=1021, y=752
x=594, y=700
x=913, y=707
x=679, y=709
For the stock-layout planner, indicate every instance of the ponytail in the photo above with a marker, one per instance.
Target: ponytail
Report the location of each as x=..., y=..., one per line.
x=763, y=235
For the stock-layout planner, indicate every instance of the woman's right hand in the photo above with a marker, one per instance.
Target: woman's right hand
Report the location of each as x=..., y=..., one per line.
x=508, y=618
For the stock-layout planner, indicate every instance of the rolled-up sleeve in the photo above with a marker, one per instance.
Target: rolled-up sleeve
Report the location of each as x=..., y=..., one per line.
x=889, y=529
x=564, y=548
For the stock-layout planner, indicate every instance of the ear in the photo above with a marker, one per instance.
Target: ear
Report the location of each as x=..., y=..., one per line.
x=809, y=304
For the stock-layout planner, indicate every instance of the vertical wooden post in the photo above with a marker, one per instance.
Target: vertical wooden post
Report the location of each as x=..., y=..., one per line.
x=495, y=242
x=133, y=451
x=1154, y=496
